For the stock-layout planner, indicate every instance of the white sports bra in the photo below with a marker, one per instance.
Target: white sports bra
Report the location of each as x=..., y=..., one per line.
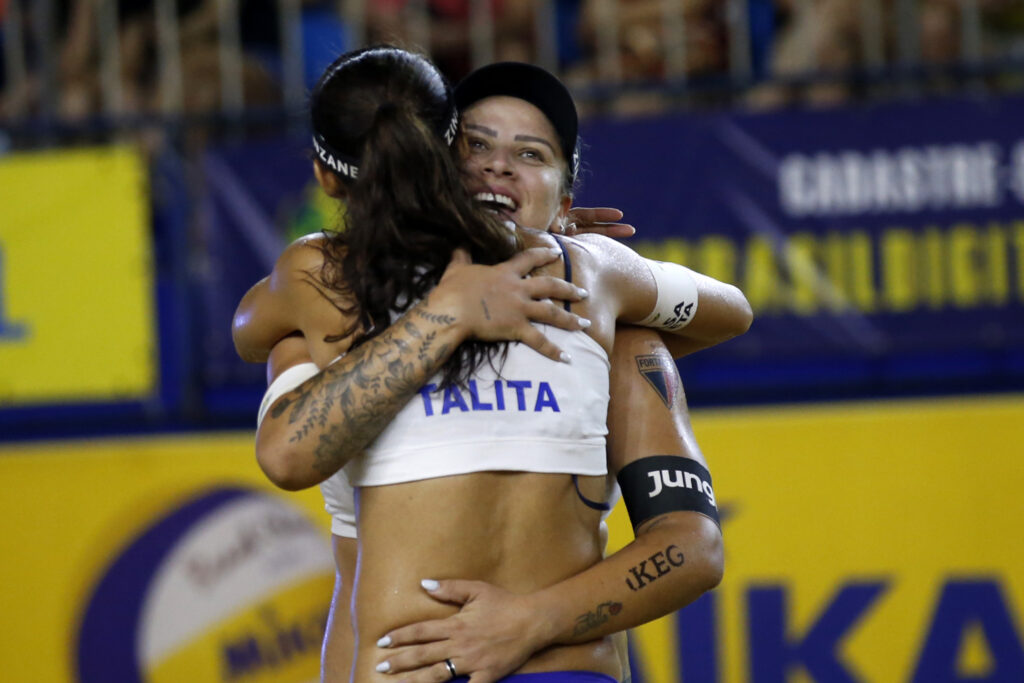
x=534, y=415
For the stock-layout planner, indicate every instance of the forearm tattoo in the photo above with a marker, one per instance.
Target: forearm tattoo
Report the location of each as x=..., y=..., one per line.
x=600, y=615
x=348, y=405
x=660, y=564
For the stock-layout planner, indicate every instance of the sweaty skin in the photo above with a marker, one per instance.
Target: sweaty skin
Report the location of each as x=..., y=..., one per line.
x=681, y=552
x=436, y=528
x=491, y=527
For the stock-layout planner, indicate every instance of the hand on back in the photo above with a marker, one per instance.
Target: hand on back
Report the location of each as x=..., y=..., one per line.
x=498, y=303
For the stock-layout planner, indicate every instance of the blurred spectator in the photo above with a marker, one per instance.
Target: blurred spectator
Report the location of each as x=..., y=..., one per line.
x=198, y=44
x=643, y=42
x=827, y=37
x=79, y=48
x=791, y=42
x=814, y=36
x=392, y=21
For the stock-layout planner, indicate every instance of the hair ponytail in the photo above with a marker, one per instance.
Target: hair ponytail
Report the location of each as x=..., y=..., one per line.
x=408, y=210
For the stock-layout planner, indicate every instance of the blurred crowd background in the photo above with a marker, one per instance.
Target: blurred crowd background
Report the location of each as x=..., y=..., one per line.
x=183, y=82
x=66, y=62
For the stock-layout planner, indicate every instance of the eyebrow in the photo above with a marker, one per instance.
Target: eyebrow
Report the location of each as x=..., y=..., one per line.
x=483, y=129
x=519, y=138
x=532, y=138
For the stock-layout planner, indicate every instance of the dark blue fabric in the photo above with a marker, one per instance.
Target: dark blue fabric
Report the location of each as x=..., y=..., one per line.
x=551, y=677
x=603, y=507
x=568, y=264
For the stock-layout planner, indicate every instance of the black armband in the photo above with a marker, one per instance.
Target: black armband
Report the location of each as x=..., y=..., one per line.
x=659, y=484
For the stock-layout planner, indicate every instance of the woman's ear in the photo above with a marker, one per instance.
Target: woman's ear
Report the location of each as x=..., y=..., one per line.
x=563, y=207
x=561, y=217
x=330, y=183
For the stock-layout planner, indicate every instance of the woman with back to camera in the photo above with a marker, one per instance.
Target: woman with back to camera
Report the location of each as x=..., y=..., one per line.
x=440, y=513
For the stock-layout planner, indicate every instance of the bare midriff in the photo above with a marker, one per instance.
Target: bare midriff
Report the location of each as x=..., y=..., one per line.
x=519, y=531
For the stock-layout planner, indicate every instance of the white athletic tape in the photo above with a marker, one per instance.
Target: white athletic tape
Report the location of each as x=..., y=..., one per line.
x=285, y=382
x=677, y=296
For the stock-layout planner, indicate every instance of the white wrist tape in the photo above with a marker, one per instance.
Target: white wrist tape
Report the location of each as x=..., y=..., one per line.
x=677, y=296
x=285, y=382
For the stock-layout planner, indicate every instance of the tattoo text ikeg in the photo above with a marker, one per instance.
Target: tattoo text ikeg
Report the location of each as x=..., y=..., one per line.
x=661, y=563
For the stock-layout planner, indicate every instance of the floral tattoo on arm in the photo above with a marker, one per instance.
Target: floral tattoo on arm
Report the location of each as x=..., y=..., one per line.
x=347, y=405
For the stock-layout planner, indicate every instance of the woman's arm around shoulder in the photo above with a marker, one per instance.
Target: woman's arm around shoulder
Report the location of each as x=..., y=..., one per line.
x=691, y=310
x=312, y=431
x=291, y=299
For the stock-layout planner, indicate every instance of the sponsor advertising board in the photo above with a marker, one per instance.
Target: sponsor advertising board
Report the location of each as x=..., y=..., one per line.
x=864, y=542
x=77, y=320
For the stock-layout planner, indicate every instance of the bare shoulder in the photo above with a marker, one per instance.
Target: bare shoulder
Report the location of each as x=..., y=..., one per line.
x=616, y=262
x=290, y=300
x=304, y=254
x=583, y=248
x=601, y=246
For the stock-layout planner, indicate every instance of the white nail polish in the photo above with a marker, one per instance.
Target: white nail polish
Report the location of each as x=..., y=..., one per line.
x=565, y=357
x=383, y=667
x=384, y=642
x=430, y=584
x=583, y=293
x=584, y=323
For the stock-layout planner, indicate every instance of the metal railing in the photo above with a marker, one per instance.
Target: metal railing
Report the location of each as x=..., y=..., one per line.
x=33, y=50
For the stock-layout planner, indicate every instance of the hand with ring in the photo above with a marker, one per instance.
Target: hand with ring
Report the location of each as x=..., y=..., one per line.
x=495, y=632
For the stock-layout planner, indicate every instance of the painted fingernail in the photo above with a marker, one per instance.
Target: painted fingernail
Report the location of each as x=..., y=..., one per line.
x=565, y=357
x=583, y=294
x=384, y=642
x=383, y=667
x=584, y=323
x=430, y=584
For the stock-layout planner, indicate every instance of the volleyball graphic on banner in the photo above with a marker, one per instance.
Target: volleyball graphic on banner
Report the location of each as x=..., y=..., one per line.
x=232, y=585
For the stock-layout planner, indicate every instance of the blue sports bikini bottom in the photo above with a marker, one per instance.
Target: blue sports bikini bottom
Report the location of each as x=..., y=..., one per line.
x=552, y=677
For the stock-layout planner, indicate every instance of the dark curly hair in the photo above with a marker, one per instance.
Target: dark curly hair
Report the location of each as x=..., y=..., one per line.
x=383, y=119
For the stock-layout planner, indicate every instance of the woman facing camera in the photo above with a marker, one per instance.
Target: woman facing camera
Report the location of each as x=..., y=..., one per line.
x=471, y=459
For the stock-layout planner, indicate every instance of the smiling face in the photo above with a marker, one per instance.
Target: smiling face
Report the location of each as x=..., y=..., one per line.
x=515, y=165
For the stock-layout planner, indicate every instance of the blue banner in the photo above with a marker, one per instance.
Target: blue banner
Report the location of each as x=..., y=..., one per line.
x=253, y=195
x=881, y=247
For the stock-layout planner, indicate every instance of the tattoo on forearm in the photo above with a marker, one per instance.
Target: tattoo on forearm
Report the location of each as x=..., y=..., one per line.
x=348, y=404
x=600, y=615
x=436, y=318
x=661, y=563
x=661, y=373
x=424, y=352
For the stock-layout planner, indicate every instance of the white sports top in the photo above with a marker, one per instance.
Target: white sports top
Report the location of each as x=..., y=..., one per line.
x=535, y=415
x=552, y=420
